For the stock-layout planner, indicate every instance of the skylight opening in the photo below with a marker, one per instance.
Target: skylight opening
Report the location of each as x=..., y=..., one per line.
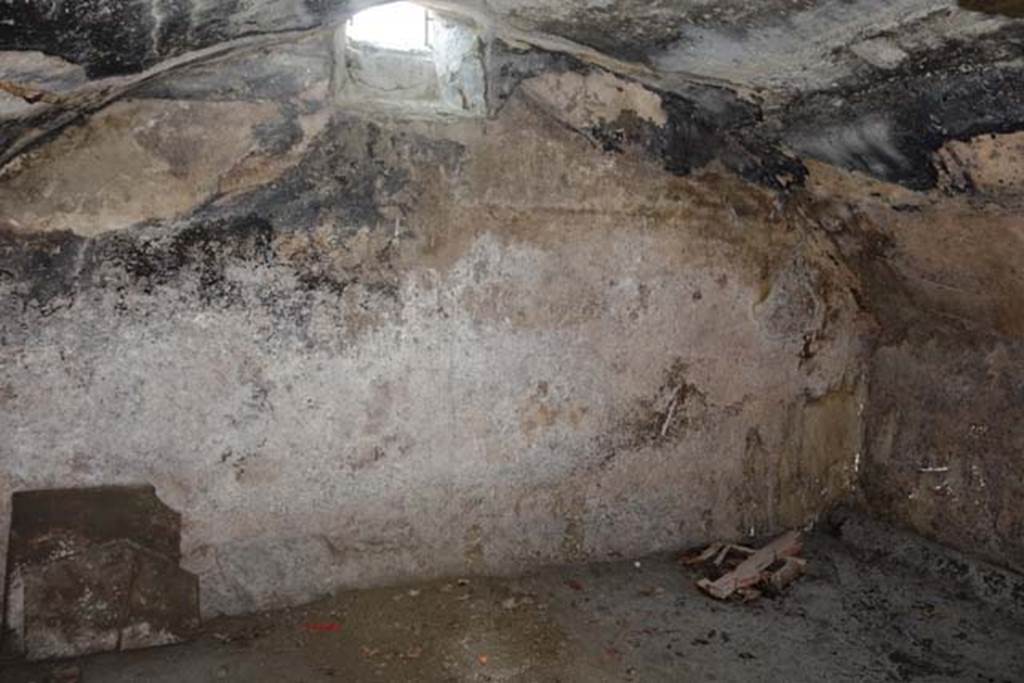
x=397, y=26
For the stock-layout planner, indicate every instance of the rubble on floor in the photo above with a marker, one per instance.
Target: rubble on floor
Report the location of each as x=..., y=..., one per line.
x=772, y=567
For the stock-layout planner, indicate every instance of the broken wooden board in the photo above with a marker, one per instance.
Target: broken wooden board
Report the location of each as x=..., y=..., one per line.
x=753, y=571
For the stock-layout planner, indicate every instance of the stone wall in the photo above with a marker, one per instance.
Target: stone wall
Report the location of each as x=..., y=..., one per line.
x=351, y=350
x=941, y=271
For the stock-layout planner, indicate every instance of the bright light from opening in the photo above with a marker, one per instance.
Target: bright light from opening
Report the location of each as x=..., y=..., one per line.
x=399, y=25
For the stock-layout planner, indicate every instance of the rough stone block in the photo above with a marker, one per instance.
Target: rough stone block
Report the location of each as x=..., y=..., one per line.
x=96, y=570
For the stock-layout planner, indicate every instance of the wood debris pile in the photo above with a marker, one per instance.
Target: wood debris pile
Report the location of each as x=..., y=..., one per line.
x=748, y=572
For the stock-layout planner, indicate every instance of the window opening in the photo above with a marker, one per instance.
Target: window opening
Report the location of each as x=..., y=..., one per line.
x=402, y=26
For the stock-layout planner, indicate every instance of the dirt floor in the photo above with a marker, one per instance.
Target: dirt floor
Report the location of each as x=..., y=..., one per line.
x=876, y=605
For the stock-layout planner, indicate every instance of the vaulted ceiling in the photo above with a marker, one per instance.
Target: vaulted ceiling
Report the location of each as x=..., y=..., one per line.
x=874, y=85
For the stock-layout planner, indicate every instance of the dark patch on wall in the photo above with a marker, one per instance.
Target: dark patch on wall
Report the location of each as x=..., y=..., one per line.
x=111, y=37
x=356, y=175
x=242, y=262
x=693, y=137
x=205, y=248
x=279, y=136
x=762, y=161
x=40, y=268
x=890, y=128
x=1006, y=8
x=236, y=461
x=106, y=37
x=508, y=66
x=705, y=123
x=687, y=141
x=663, y=418
x=627, y=36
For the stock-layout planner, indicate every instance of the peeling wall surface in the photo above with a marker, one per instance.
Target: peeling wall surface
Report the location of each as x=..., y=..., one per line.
x=664, y=287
